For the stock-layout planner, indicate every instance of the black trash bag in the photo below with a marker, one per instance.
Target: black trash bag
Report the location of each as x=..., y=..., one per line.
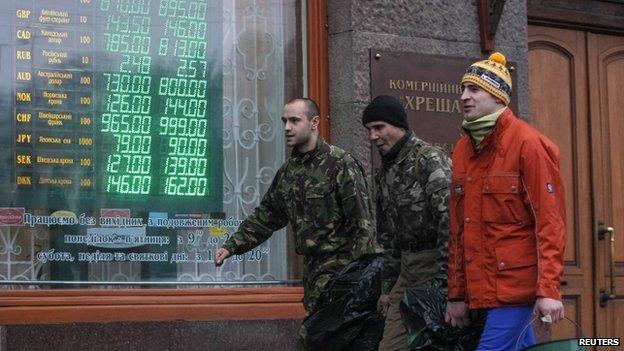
x=422, y=311
x=346, y=316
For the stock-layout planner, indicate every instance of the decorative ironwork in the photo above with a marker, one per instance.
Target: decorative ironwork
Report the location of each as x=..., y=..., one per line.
x=19, y=247
x=253, y=145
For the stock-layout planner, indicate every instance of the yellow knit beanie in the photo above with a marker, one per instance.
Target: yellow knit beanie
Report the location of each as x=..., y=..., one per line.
x=491, y=75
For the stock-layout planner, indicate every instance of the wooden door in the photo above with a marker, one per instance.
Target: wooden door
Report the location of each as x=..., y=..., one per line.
x=606, y=87
x=577, y=99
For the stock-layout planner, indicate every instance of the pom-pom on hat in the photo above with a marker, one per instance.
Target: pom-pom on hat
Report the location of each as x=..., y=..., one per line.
x=492, y=76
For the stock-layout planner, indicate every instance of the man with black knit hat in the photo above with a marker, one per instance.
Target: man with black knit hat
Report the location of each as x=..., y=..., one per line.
x=507, y=231
x=412, y=192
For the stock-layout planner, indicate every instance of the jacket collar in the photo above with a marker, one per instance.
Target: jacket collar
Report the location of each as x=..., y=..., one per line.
x=394, y=151
x=321, y=147
x=493, y=139
x=405, y=151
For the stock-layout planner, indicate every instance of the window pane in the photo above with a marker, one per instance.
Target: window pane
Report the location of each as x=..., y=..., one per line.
x=141, y=133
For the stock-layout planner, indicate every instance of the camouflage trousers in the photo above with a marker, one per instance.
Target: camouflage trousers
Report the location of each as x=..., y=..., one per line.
x=317, y=272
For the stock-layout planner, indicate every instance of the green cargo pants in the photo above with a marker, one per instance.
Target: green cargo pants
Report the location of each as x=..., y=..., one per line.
x=416, y=268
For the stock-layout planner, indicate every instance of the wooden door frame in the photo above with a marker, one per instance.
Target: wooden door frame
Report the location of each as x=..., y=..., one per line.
x=117, y=305
x=598, y=16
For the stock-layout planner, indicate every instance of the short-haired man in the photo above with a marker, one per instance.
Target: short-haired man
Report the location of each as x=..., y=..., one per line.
x=507, y=215
x=322, y=192
x=412, y=189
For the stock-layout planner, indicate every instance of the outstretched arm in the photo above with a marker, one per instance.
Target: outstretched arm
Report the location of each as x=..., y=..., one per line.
x=268, y=217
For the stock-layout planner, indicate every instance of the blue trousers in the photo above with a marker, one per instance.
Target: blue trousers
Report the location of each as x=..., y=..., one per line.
x=503, y=327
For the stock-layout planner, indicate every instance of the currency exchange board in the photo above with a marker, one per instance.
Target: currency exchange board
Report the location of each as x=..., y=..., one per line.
x=111, y=103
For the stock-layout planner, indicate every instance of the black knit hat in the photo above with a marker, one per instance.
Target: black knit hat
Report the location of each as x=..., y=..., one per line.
x=385, y=108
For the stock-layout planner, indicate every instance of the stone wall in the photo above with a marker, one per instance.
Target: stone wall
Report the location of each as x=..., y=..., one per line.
x=270, y=335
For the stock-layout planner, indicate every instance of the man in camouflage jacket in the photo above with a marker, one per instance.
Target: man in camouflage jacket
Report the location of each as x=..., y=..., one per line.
x=412, y=188
x=322, y=192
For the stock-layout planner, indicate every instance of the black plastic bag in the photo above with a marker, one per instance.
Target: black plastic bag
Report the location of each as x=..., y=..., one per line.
x=422, y=311
x=346, y=316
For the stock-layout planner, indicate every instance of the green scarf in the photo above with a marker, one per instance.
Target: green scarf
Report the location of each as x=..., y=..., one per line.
x=481, y=127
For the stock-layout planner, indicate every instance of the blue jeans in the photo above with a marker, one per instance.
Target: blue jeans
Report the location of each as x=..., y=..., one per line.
x=503, y=327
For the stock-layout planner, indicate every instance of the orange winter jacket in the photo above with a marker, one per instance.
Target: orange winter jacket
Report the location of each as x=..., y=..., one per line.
x=507, y=220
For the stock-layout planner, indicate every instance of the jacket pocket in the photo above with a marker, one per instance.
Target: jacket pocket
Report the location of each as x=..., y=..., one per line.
x=319, y=204
x=516, y=278
x=502, y=200
x=410, y=214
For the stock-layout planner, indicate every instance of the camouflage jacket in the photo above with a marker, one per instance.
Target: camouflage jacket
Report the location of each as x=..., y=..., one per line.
x=324, y=195
x=412, y=206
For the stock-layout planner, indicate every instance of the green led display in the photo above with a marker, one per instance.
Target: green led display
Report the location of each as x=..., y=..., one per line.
x=183, y=124
x=117, y=103
x=170, y=157
x=127, y=114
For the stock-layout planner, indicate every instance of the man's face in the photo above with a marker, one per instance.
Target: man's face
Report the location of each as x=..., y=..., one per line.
x=384, y=135
x=478, y=102
x=298, y=128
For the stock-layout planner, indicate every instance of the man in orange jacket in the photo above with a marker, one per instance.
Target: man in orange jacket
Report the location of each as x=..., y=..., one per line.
x=507, y=231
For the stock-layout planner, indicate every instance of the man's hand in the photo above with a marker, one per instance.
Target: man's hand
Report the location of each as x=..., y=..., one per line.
x=545, y=306
x=457, y=314
x=221, y=255
x=383, y=303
